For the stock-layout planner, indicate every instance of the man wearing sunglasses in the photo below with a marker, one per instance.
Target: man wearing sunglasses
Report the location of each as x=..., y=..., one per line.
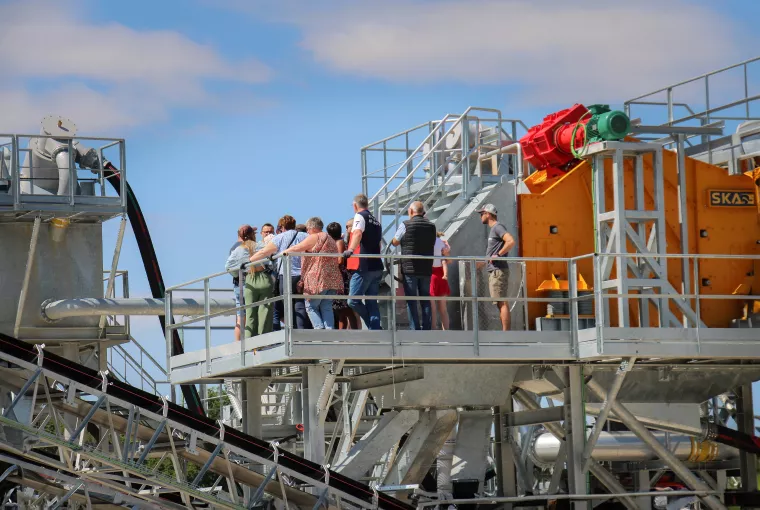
x=499, y=243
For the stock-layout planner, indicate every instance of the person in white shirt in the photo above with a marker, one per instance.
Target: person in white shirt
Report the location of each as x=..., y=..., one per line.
x=439, y=282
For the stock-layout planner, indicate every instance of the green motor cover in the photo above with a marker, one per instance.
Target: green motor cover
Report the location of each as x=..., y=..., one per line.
x=606, y=124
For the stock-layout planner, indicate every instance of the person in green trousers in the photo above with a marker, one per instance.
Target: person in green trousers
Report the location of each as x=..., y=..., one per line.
x=258, y=286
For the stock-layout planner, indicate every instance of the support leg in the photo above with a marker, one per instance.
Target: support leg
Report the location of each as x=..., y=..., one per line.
x=504, y=455
x=642, y=485
x=745, y=420
x=314, y=428
x=576, y=435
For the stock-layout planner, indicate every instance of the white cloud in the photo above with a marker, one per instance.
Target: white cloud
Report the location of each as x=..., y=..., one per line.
x=104, y=76
x=555, y=50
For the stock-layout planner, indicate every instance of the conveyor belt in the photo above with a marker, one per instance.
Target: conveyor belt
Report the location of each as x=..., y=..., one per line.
x=25, y=355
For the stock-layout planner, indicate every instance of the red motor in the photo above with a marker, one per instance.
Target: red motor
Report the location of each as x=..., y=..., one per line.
x=547, y=145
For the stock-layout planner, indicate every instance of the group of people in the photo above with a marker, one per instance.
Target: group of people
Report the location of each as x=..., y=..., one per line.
x=334, y=271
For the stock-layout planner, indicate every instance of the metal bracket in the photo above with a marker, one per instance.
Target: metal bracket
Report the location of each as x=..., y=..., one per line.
x=192, y=446
x=104, y=377
x=221, y=430
x=40, y=353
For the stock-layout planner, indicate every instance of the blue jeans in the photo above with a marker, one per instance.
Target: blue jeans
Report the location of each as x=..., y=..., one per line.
x=320, y=311
x=418, y=286
x=236, y=290
x=366, y=283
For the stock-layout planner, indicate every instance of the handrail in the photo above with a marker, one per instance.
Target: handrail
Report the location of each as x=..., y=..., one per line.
x=411, y=156
x=472, y=295
x=696, y=78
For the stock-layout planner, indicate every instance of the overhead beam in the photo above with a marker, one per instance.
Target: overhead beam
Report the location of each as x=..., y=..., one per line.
x=387, y=377
x=534, y=416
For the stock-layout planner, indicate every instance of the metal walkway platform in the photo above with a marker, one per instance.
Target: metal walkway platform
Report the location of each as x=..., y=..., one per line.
x=365, y=348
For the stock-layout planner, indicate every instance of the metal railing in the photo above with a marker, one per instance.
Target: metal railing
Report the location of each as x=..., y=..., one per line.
x=696, y=101
x=86, y=187
x=470, y=301
x=138, y=371
x=686, y=304
x=425, y=172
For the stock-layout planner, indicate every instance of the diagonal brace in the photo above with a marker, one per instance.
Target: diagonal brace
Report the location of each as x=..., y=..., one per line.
x=624, y=368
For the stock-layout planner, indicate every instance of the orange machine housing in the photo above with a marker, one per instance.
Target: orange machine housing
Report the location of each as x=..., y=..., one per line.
x=556, y=220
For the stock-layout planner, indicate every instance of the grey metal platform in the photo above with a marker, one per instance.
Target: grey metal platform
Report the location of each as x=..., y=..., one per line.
x=365, y=347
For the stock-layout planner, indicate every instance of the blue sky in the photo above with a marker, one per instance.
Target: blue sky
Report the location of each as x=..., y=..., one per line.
x=239, y=111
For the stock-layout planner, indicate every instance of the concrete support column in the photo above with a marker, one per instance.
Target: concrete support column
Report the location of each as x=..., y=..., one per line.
x=745, y=421
x=575, y=430
x=314, y=429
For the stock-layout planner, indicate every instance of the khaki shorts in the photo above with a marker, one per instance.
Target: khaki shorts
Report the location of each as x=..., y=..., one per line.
x=497, y=284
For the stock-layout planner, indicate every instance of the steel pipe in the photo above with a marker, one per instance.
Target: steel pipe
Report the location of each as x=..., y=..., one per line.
x=625, y=446
x=89, y=307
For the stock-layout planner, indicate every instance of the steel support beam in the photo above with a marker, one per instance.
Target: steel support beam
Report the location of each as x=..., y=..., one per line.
x=387, y=432
x=387, y=377
x=642, y=485
x=745, y=420
x=505, y=456
x=314, y=429
x=421, y=447
x=534, y=417
x=27, y=275
x=575, y=434
x=624, y=368
x=630, y=421
x=350, y=426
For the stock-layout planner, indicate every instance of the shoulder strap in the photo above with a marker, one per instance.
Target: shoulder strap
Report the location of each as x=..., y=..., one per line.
x=279, y=266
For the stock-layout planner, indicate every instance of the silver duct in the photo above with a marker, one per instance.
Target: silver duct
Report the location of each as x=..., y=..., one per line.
x=625, y=446
x=89, y=307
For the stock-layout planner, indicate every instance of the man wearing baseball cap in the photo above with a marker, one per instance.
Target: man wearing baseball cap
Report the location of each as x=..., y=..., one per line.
x=499, y=243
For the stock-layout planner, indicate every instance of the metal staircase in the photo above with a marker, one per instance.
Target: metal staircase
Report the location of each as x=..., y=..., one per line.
x=454, y=160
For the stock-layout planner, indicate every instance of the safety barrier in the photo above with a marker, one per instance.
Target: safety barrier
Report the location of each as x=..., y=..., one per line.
x=579, y=321
x=86, y=188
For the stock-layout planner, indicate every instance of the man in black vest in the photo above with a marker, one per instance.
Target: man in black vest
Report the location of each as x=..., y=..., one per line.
x=417, y=237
